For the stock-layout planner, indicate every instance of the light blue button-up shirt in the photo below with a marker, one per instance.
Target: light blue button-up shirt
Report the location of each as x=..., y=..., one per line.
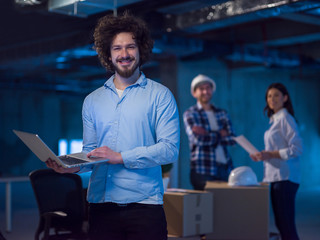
x=143, y=125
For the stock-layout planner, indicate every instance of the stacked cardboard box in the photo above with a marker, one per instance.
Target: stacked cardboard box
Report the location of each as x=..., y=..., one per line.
x=188, y=212
x=239, y=212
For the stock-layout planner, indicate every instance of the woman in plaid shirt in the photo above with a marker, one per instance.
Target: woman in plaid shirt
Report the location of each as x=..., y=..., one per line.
x=209, y=130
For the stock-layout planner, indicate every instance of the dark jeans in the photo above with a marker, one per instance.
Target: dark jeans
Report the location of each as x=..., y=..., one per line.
x=283, y=196
x=134, y=221
x=198, y=181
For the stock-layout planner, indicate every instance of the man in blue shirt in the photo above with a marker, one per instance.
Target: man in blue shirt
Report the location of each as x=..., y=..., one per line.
x=209, y=131
x=133, y=122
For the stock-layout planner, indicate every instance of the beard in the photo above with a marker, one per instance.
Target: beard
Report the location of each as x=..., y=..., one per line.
x=205, y=100
x=127, y=71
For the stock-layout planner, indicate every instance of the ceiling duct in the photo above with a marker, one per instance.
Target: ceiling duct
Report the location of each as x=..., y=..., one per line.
x=85, y=8
x=28, y=2
x=236, y=12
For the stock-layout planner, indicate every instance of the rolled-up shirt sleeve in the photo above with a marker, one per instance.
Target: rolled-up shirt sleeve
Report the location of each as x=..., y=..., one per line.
x=291, y=134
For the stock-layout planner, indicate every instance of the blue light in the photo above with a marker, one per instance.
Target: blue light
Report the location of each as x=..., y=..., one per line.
x=75, y=145
x=61, y=59
x=69, y=146
x=63, y=147
x=156, y=50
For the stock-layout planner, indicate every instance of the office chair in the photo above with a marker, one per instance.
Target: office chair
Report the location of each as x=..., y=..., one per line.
x=1, y=236
x=61, y=205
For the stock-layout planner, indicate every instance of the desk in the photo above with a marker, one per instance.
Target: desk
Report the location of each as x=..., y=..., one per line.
x=8, y=181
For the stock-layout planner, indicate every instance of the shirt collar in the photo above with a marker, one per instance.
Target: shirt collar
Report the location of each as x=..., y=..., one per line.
x=278, y=114
x=142, y=81
x=199, y=106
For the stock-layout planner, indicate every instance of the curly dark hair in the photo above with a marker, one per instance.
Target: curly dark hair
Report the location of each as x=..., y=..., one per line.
x=284, y=91
x=109, y=26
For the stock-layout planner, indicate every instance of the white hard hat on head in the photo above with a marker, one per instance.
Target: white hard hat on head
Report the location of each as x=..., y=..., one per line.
x=202, y=79
x=242, y=176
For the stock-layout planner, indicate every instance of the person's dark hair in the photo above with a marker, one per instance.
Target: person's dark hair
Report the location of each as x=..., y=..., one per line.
x=284, y=91
x=109, y=26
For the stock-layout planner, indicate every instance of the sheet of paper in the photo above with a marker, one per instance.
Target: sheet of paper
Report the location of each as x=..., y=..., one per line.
x=243, y=142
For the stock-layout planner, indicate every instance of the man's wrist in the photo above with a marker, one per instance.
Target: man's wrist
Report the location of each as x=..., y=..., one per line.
x=119, y=158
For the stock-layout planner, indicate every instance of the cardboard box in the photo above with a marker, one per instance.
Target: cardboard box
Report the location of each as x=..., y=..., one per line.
x=188, y=212
x=239, y=212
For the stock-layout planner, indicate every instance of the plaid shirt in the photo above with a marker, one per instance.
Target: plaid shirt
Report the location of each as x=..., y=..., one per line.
x=203, y=154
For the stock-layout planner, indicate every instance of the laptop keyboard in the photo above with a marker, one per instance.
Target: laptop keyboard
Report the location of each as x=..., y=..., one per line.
x=71, y=160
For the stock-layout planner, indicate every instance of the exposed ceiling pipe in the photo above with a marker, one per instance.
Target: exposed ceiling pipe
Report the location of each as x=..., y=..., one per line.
x=256, y=55
x=115, y=11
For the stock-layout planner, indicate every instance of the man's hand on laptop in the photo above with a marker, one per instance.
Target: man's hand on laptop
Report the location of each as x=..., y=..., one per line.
x=106, y=153
x=52, y=164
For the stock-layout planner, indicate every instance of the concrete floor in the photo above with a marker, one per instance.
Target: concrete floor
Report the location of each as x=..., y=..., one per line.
x=25, y=213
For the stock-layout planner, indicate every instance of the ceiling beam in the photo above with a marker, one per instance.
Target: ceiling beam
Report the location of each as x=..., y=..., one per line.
x=302, y=18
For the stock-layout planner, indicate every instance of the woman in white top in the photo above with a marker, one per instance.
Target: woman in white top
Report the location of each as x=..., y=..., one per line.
x=283, y=147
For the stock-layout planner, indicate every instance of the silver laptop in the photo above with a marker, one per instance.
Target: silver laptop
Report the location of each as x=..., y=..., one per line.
x=43, y=152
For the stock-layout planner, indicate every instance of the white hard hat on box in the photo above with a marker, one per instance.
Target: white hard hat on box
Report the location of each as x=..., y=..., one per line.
x=202, y=79
x=242, y=176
